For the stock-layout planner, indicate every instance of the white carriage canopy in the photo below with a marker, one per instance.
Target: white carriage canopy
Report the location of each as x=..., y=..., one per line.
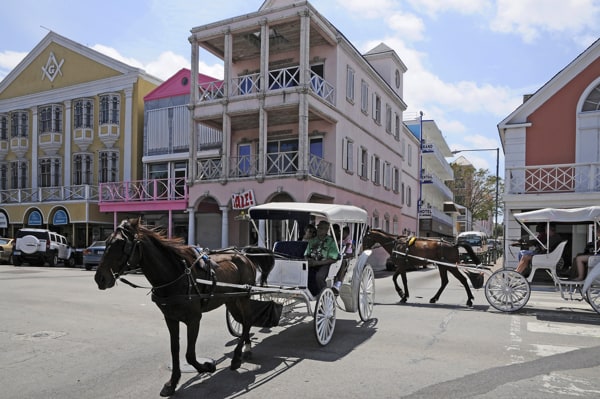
x=296, y=210
x=573, y=215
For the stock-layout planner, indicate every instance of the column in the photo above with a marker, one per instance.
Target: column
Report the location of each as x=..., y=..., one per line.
x=192, y=169
x=224, y=226
x=303, y=147
x=34, y=148
x=262, y=113
x=67, y=163
x=128, y=136
x=191, y=226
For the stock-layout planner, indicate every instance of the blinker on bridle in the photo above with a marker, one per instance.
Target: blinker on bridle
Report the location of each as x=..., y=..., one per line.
x=131, y=243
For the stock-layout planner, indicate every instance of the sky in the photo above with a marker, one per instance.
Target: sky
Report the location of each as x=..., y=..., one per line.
x=469, y=61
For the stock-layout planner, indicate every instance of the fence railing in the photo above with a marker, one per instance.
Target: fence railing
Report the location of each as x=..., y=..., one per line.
x=173, y=189
x=43, y=194
x=557, y=178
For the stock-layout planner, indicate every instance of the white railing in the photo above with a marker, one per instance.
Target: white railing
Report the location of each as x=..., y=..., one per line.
x=43, y=194
x=245, y=84
x=211, y=90
x=322, y=88
x=209, y=168
x=173, y=189
x=284, y=77
x=558, y=178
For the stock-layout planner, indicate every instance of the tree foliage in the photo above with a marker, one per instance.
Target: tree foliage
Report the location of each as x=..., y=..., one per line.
x=475, y=189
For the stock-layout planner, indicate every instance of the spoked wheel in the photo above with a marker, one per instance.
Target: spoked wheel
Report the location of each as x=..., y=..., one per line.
x=592, y=295
x=324, y=321
x=507, y=290
x=366, y=293
x=233, y=326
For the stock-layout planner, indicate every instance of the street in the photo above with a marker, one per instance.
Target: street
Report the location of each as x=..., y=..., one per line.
x=61, y=337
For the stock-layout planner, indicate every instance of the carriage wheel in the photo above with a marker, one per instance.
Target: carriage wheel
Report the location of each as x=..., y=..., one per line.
x=366, y=293
x=592, y=295
x=324, y=321
x=233, y=326
x=507, y=290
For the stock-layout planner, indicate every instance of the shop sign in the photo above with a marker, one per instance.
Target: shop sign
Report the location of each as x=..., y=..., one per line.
x=35, y=219
x=243, y=200
x=60, y=218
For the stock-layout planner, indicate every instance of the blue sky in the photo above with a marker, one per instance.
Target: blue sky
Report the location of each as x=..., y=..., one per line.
x=469, y=61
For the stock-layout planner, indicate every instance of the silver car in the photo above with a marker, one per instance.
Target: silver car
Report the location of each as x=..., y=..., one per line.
x=93, y=254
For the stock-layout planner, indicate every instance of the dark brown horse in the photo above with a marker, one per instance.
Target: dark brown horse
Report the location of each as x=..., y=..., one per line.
x=408, y=252
x=172, y=269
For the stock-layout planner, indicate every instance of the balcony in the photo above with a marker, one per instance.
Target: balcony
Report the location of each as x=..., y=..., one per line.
x=50, y=142
x=155, y=190
x=278, y=79
x=434, y=213
x=278, y=164
x=46, y=194
x=83, y=137
x=557, y=178
x=4, y=147
x=19, y=145
x=109, y=134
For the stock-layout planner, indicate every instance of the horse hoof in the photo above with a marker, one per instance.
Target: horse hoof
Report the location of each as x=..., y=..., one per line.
x=403, y=300
x=167, y=390
x=209, y=367
x=470, y=303
x=235, y=364
x=432, y=300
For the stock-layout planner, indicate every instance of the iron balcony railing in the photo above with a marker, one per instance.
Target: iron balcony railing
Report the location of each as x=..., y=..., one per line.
x=173, y=189
x=557, y=178
x=277, y=164
x=44, y=194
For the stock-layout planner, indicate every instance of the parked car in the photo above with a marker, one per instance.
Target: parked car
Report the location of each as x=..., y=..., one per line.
x=40, y=246
x=93, y=254
x=6, y=249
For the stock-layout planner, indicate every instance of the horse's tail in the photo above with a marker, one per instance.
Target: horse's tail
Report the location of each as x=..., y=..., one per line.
x=471, y=253
x=263, y=258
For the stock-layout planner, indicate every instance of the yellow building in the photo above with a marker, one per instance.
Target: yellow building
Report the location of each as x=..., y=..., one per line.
x=71, y=118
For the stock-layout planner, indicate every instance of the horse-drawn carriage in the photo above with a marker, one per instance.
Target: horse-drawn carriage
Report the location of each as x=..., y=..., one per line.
x=280, y=226
x=508, y=291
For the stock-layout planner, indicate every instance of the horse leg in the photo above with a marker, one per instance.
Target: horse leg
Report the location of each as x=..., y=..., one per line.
x=193, y=328
x=403, y=294
x=444, y=277
x=169, y=387
x=463, y=280
x=244, y=341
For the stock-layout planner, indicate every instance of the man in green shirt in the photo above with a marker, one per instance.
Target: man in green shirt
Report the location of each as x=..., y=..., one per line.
x=321, y=252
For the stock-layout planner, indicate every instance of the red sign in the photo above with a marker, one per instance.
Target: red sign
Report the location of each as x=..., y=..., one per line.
x=243, y=200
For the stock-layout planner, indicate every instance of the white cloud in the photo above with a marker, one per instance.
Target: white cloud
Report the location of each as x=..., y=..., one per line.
x=167, y=64
x=368, y=9
x=435, y=7
x=9, y=60
x=112, y=53
x=408, y=26
x=531, y=18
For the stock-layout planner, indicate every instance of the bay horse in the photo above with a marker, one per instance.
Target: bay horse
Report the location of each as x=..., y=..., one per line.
x=172, y=268
x=428, y=250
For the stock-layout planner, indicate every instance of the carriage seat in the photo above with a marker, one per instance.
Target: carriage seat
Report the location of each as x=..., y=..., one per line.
x=293, y=249
x=547, y=261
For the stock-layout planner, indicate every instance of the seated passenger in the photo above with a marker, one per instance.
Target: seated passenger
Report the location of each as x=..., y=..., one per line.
x=553, y=240
x=347, y=252
x=579, y=268
x=310, y=231
x=321, y=252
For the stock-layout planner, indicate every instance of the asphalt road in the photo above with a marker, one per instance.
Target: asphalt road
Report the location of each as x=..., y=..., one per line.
x=60, y=337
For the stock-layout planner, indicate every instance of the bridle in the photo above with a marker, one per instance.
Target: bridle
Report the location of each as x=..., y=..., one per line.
x=132, y=244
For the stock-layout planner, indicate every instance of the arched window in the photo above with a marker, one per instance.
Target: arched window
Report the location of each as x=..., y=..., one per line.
x=592, y=102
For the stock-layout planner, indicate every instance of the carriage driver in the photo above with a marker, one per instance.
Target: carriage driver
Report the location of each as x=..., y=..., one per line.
x=321, y=252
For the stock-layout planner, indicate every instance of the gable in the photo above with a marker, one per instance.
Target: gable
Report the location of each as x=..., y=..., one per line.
x=56, y=67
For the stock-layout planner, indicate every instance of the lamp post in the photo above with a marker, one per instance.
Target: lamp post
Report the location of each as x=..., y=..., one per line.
x=497, y=182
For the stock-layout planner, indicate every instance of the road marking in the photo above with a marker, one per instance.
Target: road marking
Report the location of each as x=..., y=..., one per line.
x=515, y=340
x=563, y=329
x=549, y=350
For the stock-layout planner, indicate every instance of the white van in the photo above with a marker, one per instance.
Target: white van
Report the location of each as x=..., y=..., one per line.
x=477, y=240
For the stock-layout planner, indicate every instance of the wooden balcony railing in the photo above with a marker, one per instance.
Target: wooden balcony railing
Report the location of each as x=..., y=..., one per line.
x=558, y=178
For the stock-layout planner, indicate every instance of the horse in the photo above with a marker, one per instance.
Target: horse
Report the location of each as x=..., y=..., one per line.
x=421, y=251
x=172, y=268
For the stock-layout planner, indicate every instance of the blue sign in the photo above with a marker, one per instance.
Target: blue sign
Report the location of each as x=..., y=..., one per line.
x=60, y=218
x=35, y=219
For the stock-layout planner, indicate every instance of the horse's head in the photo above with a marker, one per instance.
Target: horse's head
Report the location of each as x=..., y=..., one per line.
x=120, y=255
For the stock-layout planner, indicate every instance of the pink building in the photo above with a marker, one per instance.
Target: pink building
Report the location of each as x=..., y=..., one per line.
x=552, y=149
x=305, y=117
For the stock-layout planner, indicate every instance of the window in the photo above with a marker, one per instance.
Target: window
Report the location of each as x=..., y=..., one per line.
x=397, y=127
x=84, y=114
x=3, y=127
x=395, y=226
x=244, y=165
x=377, y=108
x=108, y=167
x=49, y=172
x=364, y=97
x=375, y=220
x=50, y=119
x=3, y=176
x=395, y=179
x=350, y=84
x=388, y=118
x=387, y=175
x=408, y=196
x=82, y=169
x=109, y=109
x=18, y=174
x=409, y=155
x=592, y=102
x=348, y=154
x=282, y=157
x=402, y=198
x=19, y=124
x=363, y=159
x=376, y=170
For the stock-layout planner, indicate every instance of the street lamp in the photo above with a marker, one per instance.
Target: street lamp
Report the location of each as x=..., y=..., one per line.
x=497, y=181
